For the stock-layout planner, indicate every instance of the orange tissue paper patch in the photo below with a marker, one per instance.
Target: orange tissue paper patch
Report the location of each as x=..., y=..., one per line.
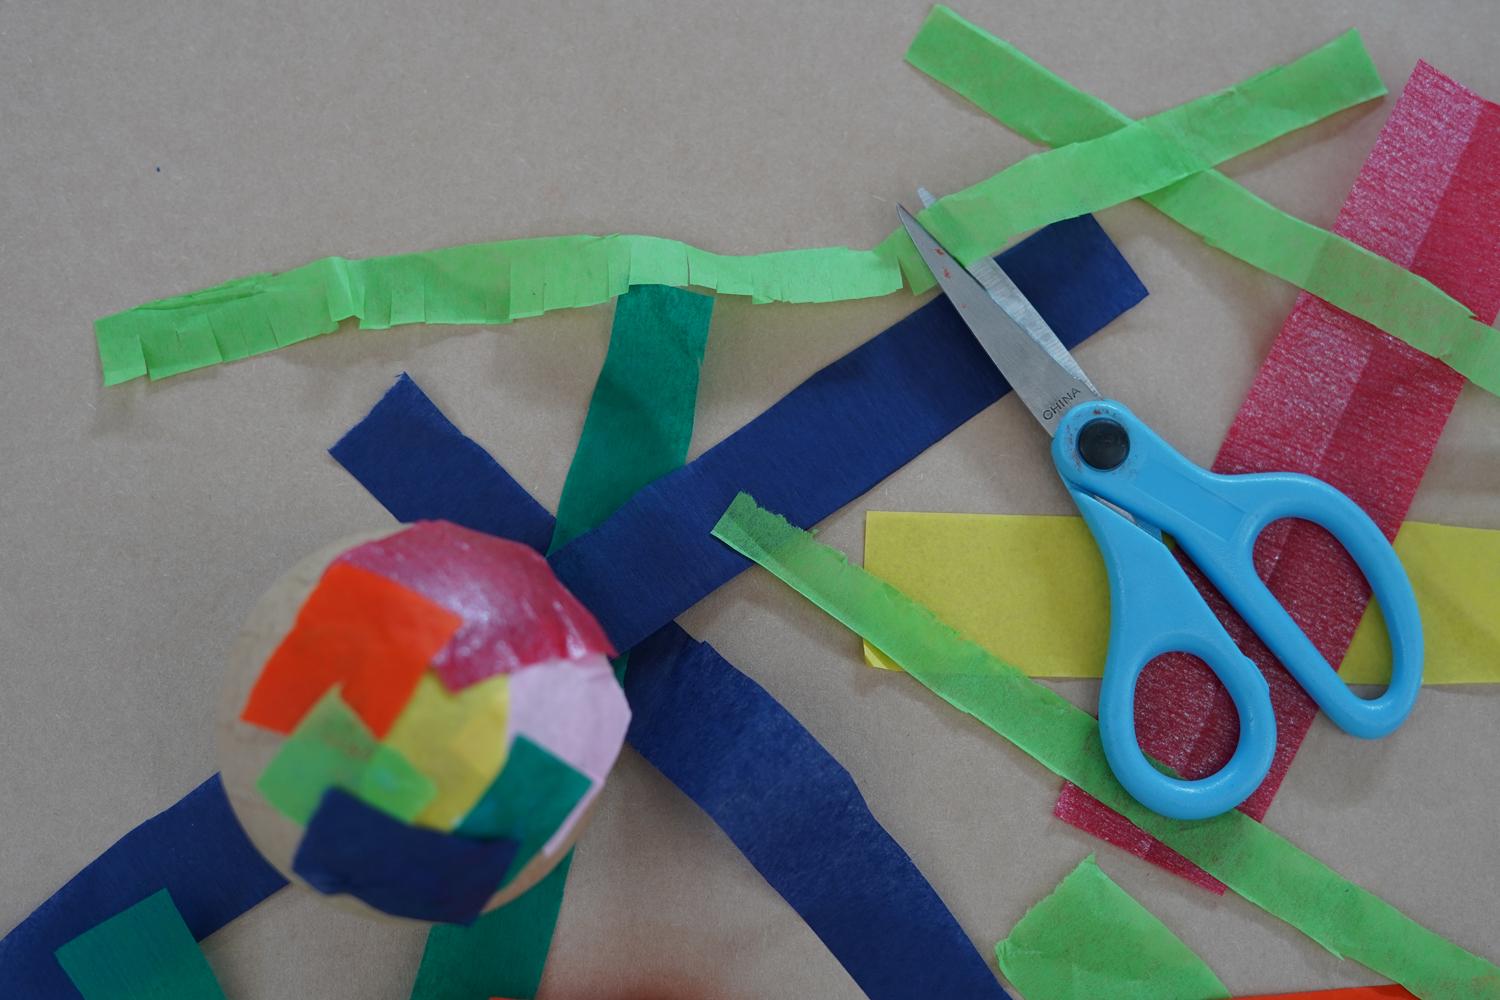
x=358, y=629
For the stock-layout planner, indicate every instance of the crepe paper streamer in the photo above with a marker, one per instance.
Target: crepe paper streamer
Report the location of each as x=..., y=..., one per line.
x=530, y=798
x=513, y=611
x=195, y=849
x=1254, y=861
x=331, y=746
x=1137, y=158
x=639, y=426
x=1090, y=938
x=1351, y=993
x=1338, y=400
x=499, y=282
x=405, y=871
x=833, y=437
x=1337, y=267
x=406, y=437
x=457, y=740
x=897, y=942
x=478, y=283
x=1031, y=590
x=358, y=629
x=143, y=953
x=640, y=418
x=460, y=963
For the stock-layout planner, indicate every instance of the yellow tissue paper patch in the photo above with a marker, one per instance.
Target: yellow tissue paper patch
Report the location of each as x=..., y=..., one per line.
x=458, y=740
x=1032, y=590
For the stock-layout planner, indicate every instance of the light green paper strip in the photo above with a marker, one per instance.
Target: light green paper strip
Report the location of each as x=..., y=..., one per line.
x=1253, y=860
x=1030, y=99
x=332, y=747
x=1090, y=938
x=515, y=279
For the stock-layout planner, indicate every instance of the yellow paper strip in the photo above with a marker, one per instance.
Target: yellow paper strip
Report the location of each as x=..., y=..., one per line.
x=1031, y=590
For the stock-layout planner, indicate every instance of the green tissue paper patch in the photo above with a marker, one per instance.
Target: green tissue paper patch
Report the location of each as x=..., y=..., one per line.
x=1090, y=938
x=528, y=800
x=143, y=953
x=1251, y=859
x=332, y=747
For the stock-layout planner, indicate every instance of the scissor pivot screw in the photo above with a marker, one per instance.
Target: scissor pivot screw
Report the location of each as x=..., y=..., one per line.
x=1103, y=444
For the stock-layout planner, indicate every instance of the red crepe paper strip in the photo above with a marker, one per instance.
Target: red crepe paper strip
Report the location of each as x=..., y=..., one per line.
x=1340, y=400
x=513, y=610
x=1392, y=992
x=358, y=629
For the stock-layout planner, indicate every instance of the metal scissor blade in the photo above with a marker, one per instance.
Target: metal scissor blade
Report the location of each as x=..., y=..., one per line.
x=1010, y=298
x=1044, y=383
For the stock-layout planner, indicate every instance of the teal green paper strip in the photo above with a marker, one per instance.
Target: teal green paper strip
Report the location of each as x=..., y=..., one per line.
x=143, y=953
x=1090, y=938
x=639, y=426
x=1030, y=99
x=640, y=418
x=515, y=279
x=1253, y=860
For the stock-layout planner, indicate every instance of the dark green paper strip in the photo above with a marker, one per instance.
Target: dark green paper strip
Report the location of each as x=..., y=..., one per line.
x=639, y=425
x=1028, y=98
x=640, y=418
x=1090, y=938
x=1253, y=860
x=513, y=279
x=143, y=953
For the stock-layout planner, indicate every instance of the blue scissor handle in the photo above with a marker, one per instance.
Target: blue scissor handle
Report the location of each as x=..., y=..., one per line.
x=1154, y=609
x=1216, y=519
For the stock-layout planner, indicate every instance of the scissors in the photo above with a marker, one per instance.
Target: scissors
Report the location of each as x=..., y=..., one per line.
x=1131, y=486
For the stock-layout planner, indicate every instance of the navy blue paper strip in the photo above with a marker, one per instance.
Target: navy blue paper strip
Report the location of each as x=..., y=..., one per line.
x=407, y=871
x=833, y=437
x=196, y=850
x=406, y=439
x=782, y=798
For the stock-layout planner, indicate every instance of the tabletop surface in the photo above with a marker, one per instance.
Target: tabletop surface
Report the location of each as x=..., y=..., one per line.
x=156, y=148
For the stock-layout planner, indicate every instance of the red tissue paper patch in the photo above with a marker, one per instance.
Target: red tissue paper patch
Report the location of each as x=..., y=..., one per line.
x=1340, y=400
x=515, y=612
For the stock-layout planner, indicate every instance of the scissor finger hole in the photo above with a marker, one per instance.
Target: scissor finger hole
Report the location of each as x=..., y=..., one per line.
x=1162, y=682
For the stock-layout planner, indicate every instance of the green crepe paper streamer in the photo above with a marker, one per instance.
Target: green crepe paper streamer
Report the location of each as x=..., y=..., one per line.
x=1090, y=938
x=629, y=438
x=1250, y=858
x=516, y=279
x=528, y=800
x=332, y=747
x=639, y=426
x=1140, y=157
x=143, y=953
x=1030, y=99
